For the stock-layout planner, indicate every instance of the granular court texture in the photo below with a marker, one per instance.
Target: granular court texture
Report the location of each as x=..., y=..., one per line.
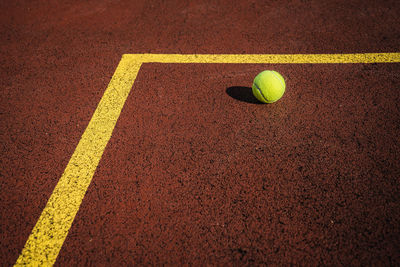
x=196, y=171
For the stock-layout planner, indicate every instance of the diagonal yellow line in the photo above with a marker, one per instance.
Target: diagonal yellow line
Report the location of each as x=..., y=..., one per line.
x=51, y=229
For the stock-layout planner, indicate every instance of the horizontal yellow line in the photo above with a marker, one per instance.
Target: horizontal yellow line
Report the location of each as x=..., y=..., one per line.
x=267, y=58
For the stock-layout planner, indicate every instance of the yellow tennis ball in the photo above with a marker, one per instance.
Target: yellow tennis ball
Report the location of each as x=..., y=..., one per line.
x=268, y=86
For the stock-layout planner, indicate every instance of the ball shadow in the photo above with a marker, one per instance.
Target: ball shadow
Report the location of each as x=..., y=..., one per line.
x=243, y=94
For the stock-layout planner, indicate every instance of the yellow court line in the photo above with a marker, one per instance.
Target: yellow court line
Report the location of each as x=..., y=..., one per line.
x=268, y=58
x=51, y=229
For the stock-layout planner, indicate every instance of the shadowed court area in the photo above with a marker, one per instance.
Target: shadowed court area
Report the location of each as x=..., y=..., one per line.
x=243, y=94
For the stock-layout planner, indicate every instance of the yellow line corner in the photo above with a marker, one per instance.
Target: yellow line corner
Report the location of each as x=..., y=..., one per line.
x=51, y=229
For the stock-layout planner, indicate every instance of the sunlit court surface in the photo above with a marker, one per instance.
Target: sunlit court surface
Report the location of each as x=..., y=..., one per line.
x=131, y=136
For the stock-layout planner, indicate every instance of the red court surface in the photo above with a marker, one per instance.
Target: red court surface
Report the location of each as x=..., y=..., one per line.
x=190, y=179
x=197, y=171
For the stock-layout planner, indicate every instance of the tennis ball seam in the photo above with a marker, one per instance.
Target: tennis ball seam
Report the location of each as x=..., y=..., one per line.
x=279, y=79
x=259, y=90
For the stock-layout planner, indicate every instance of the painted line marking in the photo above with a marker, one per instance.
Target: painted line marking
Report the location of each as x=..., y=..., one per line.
x=51, y=229
x=268, y=58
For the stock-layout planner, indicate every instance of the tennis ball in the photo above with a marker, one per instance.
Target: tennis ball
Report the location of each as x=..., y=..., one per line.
x=268, y=86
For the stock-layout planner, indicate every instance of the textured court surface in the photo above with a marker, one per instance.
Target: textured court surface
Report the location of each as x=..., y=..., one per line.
x=196, y=171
